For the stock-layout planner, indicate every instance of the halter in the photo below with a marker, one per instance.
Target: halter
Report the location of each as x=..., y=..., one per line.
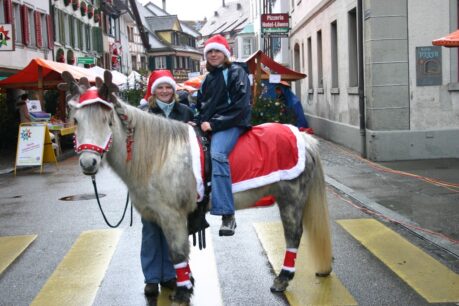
x=89, y=147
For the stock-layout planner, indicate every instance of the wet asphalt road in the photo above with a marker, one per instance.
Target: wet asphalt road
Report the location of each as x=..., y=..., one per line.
x=29, y=204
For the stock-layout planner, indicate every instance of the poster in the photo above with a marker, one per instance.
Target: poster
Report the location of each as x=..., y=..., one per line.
x=33, y=106
x=31, y=141
x=6, y=37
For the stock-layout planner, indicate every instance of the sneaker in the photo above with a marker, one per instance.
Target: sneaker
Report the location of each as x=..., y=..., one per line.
x=151, y=289
x=170, y=284
x=228, y=225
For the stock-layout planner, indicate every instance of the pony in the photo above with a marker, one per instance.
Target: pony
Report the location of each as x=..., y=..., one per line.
x=153, y=158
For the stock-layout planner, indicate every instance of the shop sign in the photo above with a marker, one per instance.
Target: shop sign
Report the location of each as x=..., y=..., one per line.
x=275, y=24
x=86, y=60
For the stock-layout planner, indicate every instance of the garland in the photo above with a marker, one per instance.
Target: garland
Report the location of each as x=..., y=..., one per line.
x=70, y=57
x=90, y=11
x=96, y=15
x=75, y=4
x=60, y=55
x=67, y=2
x=83, y=8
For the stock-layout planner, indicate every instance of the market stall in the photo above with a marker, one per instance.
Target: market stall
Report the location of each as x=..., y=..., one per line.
x=41, y=75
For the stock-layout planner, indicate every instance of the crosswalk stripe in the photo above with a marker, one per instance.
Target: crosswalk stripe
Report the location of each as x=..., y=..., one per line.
x=79, y=275
x=305, y=288
x=204, y=268
x=432, y=280
x=11, y=247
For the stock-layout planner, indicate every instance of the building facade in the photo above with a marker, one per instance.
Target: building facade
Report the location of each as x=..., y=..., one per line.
x=375, y=82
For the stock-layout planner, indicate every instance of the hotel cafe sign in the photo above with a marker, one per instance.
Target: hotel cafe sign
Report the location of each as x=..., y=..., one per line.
x=275, y=24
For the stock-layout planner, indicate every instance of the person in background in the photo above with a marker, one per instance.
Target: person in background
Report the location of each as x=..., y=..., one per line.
x=157, y=267
x=21, y=106
x=224, y=110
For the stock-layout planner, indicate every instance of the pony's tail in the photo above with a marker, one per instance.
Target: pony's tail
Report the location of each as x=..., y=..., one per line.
x=315, y=217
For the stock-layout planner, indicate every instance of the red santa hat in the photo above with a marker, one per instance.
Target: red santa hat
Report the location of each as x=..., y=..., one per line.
x=158, y=77
x=217, y=42
x=90, y=96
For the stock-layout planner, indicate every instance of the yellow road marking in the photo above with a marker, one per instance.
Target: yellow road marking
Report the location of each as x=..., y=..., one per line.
x=305, y=288
x=431, y=279
x=204, y=268
x=11, y=247
x=79, y=275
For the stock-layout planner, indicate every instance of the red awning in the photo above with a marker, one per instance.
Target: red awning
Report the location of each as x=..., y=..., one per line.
x=274, y=67
x=50, y=73
x=450, y=40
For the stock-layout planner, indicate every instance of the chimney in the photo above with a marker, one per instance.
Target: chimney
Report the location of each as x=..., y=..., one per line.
x=215, y=13
x=164, y=5
x=223, y=3
x=239, y=6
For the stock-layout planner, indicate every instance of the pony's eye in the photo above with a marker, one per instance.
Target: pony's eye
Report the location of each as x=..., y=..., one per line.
x=75, y=122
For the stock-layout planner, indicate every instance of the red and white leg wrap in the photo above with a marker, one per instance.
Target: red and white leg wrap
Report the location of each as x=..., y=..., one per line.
x=289, y=260
x=183, y=274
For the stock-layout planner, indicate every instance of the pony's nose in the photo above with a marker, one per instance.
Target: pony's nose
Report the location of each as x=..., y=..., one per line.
x=89, y=163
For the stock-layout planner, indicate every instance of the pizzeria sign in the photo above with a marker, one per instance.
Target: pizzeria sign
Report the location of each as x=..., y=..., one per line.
x=275, y=24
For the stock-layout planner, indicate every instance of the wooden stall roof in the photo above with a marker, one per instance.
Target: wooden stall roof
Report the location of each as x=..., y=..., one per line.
x=274, y=67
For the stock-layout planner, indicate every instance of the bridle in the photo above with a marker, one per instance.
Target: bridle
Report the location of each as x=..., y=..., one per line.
x=89, y=147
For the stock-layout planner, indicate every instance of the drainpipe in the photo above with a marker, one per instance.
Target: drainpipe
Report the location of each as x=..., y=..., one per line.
x=363, y=138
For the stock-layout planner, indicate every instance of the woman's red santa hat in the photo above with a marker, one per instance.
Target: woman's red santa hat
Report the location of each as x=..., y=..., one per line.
x=158, y=77
x=217, y=42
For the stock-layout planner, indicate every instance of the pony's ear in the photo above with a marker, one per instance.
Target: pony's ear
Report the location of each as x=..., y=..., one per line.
x=84, y=82
x=111, y=87
x=70, y=84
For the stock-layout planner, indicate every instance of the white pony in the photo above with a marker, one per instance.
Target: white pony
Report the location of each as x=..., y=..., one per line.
x=152, y=156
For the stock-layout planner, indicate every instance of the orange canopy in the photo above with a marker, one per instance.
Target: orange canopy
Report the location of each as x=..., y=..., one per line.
x=450, y=40
x=41, y=73
x=274, y=67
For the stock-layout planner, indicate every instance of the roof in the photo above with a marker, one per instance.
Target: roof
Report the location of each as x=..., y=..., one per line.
x=450, y=40
x=233, y=16
x=272, y=67
x=51, y=71
x=161, y=23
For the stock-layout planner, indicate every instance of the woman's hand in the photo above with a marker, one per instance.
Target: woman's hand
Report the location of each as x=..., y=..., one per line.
x=205, y=127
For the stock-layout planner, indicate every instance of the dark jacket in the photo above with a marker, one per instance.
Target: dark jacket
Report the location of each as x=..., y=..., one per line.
x=225, y=104
x=179, y=112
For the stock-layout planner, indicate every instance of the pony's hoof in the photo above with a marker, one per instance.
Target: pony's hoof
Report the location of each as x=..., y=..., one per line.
x=181, y=296
x=281, y=282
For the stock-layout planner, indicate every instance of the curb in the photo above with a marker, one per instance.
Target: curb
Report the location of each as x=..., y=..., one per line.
x=444, y=244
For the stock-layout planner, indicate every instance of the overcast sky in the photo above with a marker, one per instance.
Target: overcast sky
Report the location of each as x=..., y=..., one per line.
x=189, y=9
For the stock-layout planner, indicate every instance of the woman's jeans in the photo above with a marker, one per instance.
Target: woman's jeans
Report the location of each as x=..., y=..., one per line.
x=154, y=254
x=221, y=145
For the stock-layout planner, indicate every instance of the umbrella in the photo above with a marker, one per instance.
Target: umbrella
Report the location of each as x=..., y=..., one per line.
x=450, y=40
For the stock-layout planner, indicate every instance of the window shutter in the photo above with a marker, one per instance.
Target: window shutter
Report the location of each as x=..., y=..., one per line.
x=49, y=24
x=8, y=11
x=151, y=63
x=25, y=25
x=38, y=30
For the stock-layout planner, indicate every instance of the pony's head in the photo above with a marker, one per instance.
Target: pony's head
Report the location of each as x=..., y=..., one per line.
x=91, y=110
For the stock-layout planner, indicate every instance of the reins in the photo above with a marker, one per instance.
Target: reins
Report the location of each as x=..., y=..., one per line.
x=93, y=178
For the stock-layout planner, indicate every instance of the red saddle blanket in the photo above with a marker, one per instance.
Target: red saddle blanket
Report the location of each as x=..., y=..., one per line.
x=264, y=155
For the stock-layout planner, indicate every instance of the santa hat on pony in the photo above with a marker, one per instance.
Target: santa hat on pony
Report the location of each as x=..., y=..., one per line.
x=217, y=42
x=158, y=77
x=90, y=96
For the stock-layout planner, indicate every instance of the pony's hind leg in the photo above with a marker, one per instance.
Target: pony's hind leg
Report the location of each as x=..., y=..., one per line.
x=290, y=204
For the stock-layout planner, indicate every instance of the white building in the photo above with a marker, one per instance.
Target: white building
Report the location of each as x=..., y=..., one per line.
x=32, y=33
x=375, y=82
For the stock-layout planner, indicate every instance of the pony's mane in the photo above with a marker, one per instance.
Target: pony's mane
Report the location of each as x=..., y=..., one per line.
x=155, y=137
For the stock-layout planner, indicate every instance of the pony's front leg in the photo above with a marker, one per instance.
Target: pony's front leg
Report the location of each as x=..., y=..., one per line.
x=176, y=234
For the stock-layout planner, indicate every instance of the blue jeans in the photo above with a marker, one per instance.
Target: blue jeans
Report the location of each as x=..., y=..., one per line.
x=154, y=254
x=221, y=146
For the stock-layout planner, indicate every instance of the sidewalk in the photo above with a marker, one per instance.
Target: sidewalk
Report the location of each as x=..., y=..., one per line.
x=421, y=195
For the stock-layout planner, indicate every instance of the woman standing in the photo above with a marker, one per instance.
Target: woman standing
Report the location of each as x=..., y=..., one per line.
x=157, y=267
x=224, y=110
